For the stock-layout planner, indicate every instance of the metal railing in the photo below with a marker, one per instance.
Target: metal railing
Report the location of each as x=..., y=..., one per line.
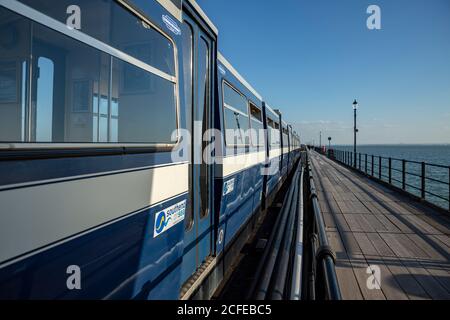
x=322, y=281
x=274, y=279
x=414, y=177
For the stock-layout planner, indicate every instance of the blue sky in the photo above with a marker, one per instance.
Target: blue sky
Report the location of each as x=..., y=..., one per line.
x=311, y=58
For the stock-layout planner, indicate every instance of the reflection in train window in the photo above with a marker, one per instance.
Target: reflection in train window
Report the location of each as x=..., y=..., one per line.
x=44, y=100
x=109, y=22
x=61, y=90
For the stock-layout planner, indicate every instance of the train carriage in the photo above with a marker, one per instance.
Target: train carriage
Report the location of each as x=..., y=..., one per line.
x=243, y=154
x=103, y=171
x=273, y=163
x=284, y=149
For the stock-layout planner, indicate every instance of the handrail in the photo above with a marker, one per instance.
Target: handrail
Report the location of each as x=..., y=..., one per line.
x=401, y=174
x=296, y=283
x=324, y=279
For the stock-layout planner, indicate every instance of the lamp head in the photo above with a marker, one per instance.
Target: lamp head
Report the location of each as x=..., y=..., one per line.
x=355, y=105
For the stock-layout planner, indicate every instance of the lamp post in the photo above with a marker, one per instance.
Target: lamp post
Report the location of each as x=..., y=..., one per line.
x=320, y=140
x=355, y=130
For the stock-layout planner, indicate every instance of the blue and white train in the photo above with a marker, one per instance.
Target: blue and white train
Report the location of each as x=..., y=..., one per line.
x=92, y=203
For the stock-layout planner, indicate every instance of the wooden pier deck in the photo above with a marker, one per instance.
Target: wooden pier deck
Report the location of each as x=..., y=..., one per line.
x=369, y=224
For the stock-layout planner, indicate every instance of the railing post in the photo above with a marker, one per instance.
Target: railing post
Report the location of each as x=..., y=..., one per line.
x=372, y=164
x=404, y=174
x=390, y=170
x=359, y=162
x=379, y=168
x=366, y=163
x=422, y=189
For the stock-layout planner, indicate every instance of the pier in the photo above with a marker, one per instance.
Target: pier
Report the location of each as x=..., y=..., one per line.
x=373, y=227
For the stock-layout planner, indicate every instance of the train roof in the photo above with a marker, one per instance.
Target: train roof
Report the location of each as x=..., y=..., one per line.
x=271, y=109
x=175, y=7
x=228, y=65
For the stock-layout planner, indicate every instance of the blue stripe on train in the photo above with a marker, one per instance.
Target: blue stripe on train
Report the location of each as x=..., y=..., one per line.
x=118, y=261
x=238, y=206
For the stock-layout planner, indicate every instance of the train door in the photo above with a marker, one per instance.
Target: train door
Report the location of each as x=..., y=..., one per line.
x=198, y=55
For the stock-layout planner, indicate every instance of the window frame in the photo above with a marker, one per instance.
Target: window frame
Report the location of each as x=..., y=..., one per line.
x=250, y=104
x=274, y=129
x=44, y=20
x=231, y=108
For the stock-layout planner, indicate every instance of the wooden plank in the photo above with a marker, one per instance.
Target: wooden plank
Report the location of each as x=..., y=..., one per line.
x=421, y=225
x=437, y=222
x=365, y=244
x=353, y=223
x=360, y=266
x=365, y=223
x=443, y=239
x=388, y=282
x=395, y=207
x=373, y=208
x=375, y=223
x=405, y=279
x=395, y=245
x=381, y=246
x=329, y=221
x=415, y=251
x=390, y=227
x=399, y=224
x=341, y=223
x=434, y=289
x=431, y=246
x=350, y=243
x=347, y=281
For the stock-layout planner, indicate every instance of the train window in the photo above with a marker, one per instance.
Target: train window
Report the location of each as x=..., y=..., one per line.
x=203, y=114
x=236, y=117
x=236, y=125
x=256, y=125
x=255, y=112
x=77, y=93
x=274, y=134
x=234, y=99
x=146, y=105
x=257, y=133
x=285, y=137
x=14, y=66
x=109, y=22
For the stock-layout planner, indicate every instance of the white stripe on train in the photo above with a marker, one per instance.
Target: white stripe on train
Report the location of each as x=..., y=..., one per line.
x=44, y=214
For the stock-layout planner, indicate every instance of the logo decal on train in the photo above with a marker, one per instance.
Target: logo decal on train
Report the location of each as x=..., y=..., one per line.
x=168, y=218
x=171, y=25
x=228, y=186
